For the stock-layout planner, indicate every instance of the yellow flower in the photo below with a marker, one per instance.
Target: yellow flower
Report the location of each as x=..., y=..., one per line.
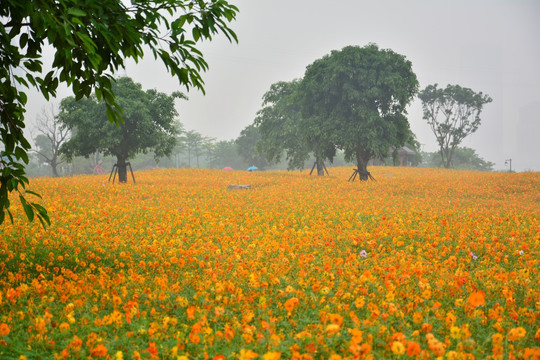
x=455, y=332
x=246, y=354
x=272, y=355
x=332, y=328
x=398, y=348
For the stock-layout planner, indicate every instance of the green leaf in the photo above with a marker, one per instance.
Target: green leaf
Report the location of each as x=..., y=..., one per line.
x=76, y=12
x=196, y=34
x=33, y=193
x=27, y=208
x=21, y=154
x=23, y=40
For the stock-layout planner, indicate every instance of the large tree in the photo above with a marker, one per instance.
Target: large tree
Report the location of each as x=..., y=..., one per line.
x=148, y=123
x=357, y=98
x=278, y=124
x=453, y=113
x=91, y=39
x=50, y=138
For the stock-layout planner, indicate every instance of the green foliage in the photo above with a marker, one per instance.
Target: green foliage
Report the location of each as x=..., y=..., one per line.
x=225, y=153
x=464, y=158
x=91, y=40
x=278, y=124
x=148, y=123
x=196, y=145
x=355, y=99
x=453, y=113
x=247, y=147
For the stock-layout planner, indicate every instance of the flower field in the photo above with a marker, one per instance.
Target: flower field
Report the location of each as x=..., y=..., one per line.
x=422, y=263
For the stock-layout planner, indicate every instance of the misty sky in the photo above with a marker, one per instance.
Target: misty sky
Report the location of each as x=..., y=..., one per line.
x=491, y=46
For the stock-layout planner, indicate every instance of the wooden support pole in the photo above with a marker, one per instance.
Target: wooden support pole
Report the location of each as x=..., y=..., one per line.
x=113, y=170
x=130, y=169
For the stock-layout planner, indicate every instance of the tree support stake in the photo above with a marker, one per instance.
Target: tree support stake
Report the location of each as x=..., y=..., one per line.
x=114, y=170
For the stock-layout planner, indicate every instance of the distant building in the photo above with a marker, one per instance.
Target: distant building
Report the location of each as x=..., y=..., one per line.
x=405, y=156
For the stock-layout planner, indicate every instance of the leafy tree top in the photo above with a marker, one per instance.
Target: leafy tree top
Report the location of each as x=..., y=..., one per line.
x=358, y=96
x=452, y=113
x=148, y=122
x=278, y=123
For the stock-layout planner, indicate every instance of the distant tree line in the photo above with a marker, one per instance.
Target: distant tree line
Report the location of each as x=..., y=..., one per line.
x=350, y=106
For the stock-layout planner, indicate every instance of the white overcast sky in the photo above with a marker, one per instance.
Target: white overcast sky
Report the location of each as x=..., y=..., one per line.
x=491, y=46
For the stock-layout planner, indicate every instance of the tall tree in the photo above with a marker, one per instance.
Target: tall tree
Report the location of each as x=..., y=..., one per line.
x=247, y=147
x=464, y=158
x=91, y=40
x=50, y=138
x=316, y=124
x=148, y=122
x=278, y=124
x=453, y=113
x=197, y=145
x=180, y=146
x=357, y=98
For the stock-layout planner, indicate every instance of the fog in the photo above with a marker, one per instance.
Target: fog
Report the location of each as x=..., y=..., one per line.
x=492, y=46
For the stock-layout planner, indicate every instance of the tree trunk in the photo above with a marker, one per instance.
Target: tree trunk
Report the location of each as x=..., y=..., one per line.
x=122, y=169
x=320, y=167
x=446, y=157
x=54, y=168
x=362, y=161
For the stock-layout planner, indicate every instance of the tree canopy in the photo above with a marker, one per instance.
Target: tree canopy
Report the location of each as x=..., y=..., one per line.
x=91, y=39
x=278, y=124
x=355, y=99
x=148, y=123
x=453, y=113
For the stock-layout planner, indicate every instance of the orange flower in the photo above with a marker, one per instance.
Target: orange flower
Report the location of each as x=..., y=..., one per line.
x=4, y=329
x=191, y=312
x=477, y=298
x=152, y=349
x=335, y=319
x=427, y=327
x=413, y=348
x=99, y=351
x=291, y=303
x=516, y=334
